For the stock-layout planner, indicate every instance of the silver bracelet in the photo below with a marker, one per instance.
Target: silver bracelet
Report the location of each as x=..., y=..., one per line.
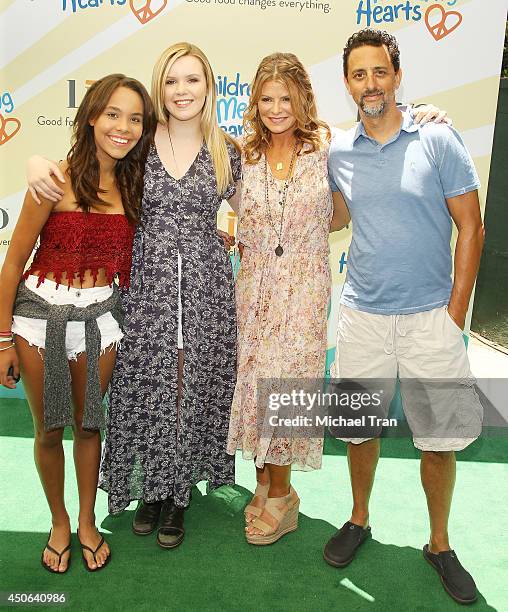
x=7, y=347
x=7, y=339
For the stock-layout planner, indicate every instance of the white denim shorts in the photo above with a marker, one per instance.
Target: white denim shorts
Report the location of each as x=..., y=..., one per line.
x=34, y=330
x=421, y=349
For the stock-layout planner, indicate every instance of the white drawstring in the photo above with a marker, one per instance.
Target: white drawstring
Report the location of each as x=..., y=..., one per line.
x=400, y=325
x=396, y=326
x=390, y=337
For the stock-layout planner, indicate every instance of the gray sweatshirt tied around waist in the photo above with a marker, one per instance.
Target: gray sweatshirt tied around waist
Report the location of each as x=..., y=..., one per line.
x=57, y=377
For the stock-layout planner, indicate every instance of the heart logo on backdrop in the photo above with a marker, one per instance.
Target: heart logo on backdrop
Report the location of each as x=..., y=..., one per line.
x=440, y=23
x=8, y=128
x=146, y=10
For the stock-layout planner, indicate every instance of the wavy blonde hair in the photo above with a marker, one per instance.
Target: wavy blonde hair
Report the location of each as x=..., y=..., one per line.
x=287, y=69
x=214, y=137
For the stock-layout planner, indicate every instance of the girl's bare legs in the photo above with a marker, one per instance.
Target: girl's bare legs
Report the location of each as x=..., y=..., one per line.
x=48, y=453
x=87, y=454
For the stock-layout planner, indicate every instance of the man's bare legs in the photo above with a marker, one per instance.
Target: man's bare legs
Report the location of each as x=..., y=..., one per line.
x=362, y=461
x=437, y=470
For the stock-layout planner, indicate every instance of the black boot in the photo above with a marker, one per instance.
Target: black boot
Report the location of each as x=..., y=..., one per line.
x=171, y=531
x=146, y=518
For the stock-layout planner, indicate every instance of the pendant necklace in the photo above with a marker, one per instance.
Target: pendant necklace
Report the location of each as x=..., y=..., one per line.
x=279, y=166
x=180, y=181
x=279, y=250
x=173, y=151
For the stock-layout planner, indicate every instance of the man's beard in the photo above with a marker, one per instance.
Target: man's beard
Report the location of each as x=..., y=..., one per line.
x=373, y=111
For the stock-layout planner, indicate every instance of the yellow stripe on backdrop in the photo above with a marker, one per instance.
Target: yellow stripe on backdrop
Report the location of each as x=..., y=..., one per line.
x=56, y=44
x=5, y=4
x=53, y=48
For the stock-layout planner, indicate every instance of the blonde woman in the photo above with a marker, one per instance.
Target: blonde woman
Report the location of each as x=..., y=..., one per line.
x=285, y=215
x=173, y=383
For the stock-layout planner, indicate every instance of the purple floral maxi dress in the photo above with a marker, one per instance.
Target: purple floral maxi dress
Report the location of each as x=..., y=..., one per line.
x=152, y=450
x=281, y=301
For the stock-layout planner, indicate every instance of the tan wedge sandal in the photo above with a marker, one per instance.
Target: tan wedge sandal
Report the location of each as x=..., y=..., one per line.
x=287, y=519
x=261, y=491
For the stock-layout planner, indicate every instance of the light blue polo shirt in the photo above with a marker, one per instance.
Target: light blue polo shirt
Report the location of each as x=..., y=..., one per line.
x=400, y=260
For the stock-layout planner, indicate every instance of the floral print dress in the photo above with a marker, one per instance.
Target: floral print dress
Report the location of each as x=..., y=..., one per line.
x=281, y=301
x=153, y=450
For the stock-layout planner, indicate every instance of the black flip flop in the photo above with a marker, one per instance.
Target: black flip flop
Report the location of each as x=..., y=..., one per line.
x=94, y=552
x=55, y=552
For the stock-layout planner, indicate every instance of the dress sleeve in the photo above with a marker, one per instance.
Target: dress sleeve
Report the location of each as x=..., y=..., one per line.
x=236, y=168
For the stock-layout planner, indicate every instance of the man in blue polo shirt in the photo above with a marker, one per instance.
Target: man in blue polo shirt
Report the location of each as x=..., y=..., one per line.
x=400, y=312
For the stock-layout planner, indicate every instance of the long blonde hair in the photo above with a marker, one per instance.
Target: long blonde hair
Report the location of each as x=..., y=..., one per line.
x=214, y=137
x=287, y=69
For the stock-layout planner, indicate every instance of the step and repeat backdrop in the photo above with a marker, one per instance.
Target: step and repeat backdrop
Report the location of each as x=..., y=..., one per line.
x=52, y=50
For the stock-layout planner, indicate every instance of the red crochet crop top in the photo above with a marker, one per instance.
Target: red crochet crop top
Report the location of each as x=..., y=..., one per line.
x=73, y=242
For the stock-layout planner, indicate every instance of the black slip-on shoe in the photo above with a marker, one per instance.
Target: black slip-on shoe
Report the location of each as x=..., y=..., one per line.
x=171, y=531
x=341, y=548
x=457, y=581
x=146, y=518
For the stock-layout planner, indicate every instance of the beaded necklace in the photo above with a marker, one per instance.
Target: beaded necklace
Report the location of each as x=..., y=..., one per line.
x=279, y=250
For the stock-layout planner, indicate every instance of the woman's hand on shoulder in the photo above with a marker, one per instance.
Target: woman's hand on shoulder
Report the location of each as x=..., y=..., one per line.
x=40, y=182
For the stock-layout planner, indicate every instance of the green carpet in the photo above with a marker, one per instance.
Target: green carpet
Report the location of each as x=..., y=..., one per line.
x=215, y=569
